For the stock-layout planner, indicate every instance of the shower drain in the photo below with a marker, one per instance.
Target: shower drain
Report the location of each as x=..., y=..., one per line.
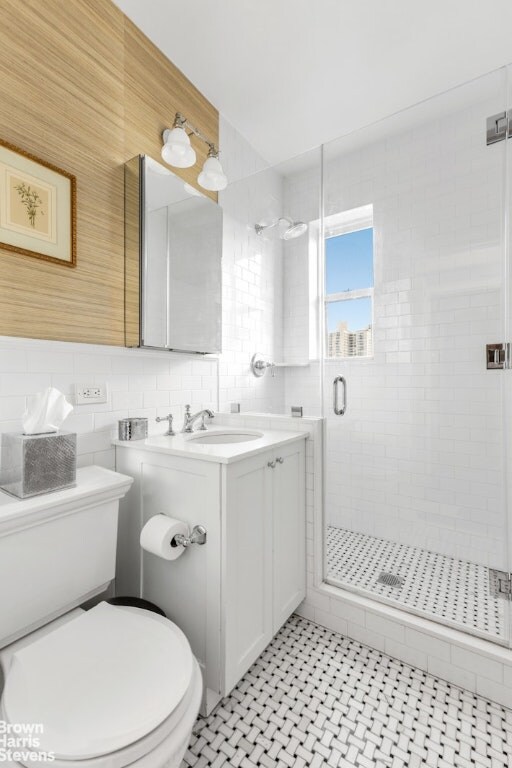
x=390, y=579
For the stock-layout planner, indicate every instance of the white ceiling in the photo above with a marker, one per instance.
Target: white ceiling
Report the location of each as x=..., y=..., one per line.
x=292, y=74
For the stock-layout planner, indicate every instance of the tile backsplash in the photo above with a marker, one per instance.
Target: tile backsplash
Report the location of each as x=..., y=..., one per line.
x=139, y=383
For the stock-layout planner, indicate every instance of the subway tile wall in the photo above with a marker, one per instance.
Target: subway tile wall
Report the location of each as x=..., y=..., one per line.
x=139, y=382
x=418, y=456
x=302, y=194
x=252, y=311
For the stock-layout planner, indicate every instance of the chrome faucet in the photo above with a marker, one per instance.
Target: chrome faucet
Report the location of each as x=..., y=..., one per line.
x=190, y=419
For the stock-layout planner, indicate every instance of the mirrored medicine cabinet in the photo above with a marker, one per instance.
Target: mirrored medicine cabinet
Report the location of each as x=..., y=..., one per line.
x=173, y=253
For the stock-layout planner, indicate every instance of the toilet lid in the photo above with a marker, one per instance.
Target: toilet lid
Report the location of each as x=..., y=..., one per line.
x=99, y=682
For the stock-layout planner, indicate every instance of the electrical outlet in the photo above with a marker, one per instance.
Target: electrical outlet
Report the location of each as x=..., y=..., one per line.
x=87, y=394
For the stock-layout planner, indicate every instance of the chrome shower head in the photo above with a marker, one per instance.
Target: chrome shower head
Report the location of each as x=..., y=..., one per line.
x=296, y=229
x=288, y=229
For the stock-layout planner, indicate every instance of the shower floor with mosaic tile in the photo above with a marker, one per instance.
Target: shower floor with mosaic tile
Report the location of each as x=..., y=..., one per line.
x=315, y=698
x=446, y=589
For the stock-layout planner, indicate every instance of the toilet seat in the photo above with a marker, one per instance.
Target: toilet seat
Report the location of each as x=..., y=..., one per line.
x=129, y=675
x=165, y=745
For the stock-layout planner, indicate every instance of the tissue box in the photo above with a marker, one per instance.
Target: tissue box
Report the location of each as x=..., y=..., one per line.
x=35, y=464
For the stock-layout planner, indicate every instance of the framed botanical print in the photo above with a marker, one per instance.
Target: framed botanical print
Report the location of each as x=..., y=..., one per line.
x=37, y=207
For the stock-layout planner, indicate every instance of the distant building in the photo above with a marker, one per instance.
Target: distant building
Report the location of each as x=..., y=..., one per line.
x=345, y=343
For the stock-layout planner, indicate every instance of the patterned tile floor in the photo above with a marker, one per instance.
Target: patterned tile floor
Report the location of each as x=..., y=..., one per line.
x=443, y=587
x=314, y=698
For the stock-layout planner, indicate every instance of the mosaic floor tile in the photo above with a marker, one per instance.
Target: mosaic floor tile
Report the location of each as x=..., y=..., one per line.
x=314, y=698
x=445, y=588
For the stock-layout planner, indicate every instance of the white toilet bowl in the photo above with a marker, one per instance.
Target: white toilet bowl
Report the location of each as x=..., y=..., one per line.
x=111, y=687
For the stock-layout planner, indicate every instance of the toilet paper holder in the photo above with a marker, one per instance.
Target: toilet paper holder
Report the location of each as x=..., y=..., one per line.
x=197, y=536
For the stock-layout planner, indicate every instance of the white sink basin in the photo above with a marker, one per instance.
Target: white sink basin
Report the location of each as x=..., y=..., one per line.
x=217, y=438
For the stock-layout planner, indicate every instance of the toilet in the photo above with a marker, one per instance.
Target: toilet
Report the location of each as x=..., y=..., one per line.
x=111, y=686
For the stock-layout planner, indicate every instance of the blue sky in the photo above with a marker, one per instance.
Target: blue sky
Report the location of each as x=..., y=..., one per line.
x=349, y=266
x=356, y=312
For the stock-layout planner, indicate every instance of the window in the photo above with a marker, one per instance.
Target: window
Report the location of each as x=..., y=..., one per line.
x=349, y=284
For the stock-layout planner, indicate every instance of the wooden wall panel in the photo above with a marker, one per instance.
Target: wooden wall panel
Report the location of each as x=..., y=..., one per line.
x=61, y=90
x=76, y=90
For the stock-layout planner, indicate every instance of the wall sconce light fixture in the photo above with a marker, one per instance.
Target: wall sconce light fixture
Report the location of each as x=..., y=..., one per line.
x=178, y=151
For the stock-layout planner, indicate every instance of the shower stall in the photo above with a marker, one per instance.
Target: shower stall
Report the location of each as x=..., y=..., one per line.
x=396, y=327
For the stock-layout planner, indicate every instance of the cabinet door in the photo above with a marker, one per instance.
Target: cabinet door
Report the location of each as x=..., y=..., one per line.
x=247, y=564
x=289, y=523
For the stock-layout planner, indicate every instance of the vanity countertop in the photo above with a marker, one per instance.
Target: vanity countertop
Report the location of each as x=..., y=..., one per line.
x=188, y=445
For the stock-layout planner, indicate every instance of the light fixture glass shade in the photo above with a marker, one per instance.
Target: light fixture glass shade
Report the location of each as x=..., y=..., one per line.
x=212, y=177
x=177, y=150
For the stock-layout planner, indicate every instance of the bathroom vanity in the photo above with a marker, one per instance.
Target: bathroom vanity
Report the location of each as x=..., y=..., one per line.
x=231, y=595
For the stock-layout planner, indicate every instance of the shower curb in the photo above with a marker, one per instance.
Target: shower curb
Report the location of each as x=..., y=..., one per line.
x=469, y=662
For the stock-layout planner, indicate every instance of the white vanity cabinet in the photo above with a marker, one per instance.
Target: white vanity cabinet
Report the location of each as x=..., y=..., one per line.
x=231, y=595
x=264, y=540
x=289, y=538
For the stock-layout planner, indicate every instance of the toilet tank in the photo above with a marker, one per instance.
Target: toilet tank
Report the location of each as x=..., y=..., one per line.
x=57, y=550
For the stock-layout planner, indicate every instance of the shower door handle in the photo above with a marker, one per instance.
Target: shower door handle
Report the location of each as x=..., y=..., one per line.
x=335, y=390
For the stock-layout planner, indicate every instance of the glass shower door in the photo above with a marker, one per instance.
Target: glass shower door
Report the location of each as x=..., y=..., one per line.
x=415, y=287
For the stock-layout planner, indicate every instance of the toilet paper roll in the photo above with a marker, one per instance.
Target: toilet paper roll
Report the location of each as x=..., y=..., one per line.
x=157, y=535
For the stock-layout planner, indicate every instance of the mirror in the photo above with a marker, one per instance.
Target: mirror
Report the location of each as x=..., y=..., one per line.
x=173, y=241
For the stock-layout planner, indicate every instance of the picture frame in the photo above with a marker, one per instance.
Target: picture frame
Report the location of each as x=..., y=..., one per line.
x=37, y=207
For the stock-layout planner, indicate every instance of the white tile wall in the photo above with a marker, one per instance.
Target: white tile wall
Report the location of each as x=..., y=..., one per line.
x=303, y=387
x=302, y=199
x=417, y=457
x=252, y=315
x=140, y=383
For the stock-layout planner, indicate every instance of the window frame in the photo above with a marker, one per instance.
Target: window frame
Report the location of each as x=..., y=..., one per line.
x=339, y=224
